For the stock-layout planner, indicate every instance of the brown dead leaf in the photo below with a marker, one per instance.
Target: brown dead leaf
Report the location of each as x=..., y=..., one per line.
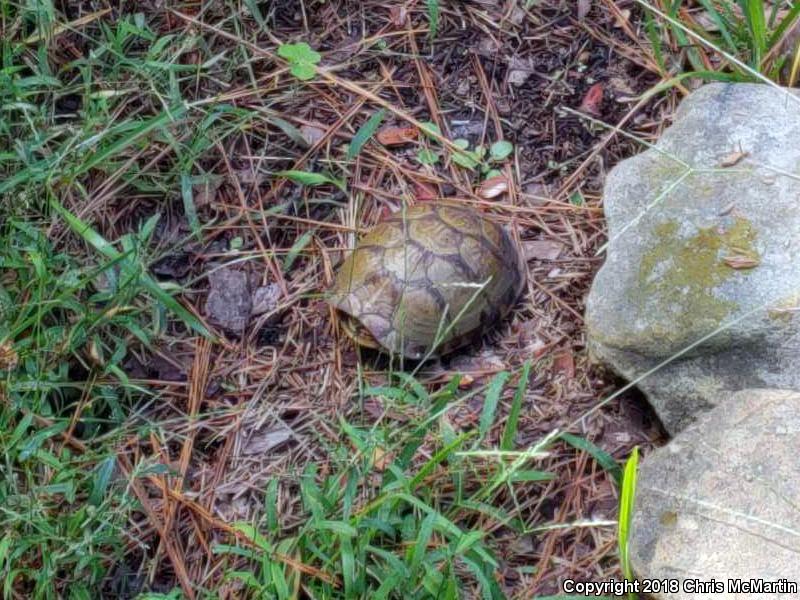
x=398, y=15
x=265, y=439
x=265, y=298
x=734, y=158
x=249, y=176
x=396, y=136
x=623, y=18
x=493, y=187
x=593, y=100
x=312, y=134
x=205, y=192
x=488, y=47
x=564, y=363
x=542, y=249
x=381, y=459
x=741, y=261
x=519, y=70
x=8, y=357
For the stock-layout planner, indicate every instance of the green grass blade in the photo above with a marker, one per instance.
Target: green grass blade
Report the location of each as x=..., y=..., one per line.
x=721, y=23
x=510, y=432
x=415, y=386
x=433, y=17
x=364, y=133
x=757, y=26
x=311, y=179
x=188, y=205
x=99, y=243
x=490, y=404
x=603, y=458
x=290, y=130
x=787, y=21
x=438, y=458
x=298, y=246
x=626, y=505
x=130, y=137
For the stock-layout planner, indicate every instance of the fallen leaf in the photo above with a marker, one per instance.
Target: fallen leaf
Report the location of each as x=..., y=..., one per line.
x=621, y=88
x=466, y=381
x=623, y=18
x=584, y=6
x=265, y=439
x=248, y=176
x=398, y=15
x=229, y=302
x=381, y=459
x=593, y=100
x=706, y=21
x=741, y=261
x=425, y=192
x=265, y=298
x=734, y=158
x=8, y=357
x=517, y=15
x=312, y=134
x=493, y=187
x=564, y=363
x=396, y=136
x=542, y=249
x=488, y=47
x=519, y=70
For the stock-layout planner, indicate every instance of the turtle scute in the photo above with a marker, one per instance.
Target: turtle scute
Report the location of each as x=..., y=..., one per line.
x=428, y=279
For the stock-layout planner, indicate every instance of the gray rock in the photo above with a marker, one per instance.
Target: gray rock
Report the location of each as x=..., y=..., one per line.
x=702, y=263
x=229, y=302
x=720, y=501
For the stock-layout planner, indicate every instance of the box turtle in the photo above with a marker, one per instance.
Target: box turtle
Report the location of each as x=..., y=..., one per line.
x=427, y=280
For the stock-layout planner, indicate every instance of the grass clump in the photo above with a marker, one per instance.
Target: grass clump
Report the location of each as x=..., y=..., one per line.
x=732, y=40
x=382, y=524
x=61, y=509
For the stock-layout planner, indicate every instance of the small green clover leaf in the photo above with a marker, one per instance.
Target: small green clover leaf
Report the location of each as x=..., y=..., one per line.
x=427, y=157
x=302, y=59
x=466, y=159
x=501, y=150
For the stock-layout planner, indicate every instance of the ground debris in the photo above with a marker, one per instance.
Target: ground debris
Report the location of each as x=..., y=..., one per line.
x=229, y=302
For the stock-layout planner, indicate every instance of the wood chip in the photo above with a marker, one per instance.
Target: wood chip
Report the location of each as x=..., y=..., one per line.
x=564, y=363
x=741, y=261
x=493, y=187
x=593, y=100
x=396, y=136
x=732, y=159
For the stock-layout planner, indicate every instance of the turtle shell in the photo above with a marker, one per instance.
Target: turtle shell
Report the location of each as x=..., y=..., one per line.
x=427, y=280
